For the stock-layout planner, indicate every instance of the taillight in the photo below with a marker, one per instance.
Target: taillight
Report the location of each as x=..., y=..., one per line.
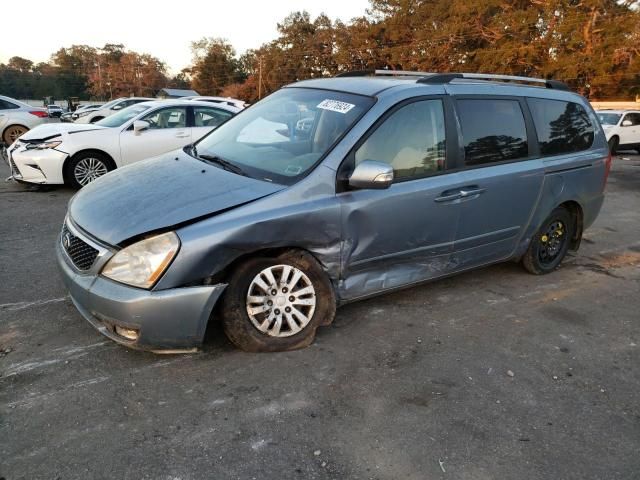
x=39, y=113
x=607, y=169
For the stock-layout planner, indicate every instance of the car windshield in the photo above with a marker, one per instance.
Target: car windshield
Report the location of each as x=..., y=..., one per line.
x=118, y=119
x=282, y=137
x=609, y=118
x=111, y=103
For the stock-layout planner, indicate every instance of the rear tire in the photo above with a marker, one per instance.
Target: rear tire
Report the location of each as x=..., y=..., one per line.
x=549, y=245
x=85, y=167
x=266, y=309
x=12, y=133
x=613, y=144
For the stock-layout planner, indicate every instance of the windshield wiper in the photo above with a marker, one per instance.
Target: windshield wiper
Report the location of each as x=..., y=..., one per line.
x=231, y=167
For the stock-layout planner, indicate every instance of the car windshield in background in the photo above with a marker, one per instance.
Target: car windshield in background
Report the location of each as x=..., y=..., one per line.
x=111, y=103
x=122, y=116
x=282, y=137
x=609, y=118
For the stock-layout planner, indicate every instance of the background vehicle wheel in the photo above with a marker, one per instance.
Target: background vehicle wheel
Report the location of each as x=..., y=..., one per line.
x=613, y=144
x=12, y=132
x=550, y=244
x=85, y=167
x=97, y=119
x=276, y=304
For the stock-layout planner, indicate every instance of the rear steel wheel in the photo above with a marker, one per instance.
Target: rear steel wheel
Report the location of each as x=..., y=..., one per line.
x=552, y=241
x=550, y=244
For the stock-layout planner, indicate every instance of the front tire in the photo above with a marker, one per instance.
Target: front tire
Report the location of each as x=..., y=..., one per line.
x=550, y=244
x=85, y=167
x=276, y=304
x=613, y=144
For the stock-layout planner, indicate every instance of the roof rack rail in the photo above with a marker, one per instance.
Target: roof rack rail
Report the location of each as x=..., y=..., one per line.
x=382, y=73
x=439, y=78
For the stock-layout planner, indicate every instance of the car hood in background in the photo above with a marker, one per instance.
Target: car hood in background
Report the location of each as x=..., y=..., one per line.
x=160, y=193
x=50, y=130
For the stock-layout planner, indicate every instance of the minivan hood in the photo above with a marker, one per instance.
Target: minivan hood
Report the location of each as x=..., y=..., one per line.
x=160, y=193
x=48, y=130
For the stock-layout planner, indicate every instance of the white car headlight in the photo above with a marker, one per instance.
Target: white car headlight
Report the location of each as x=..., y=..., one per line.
x=44, y=145
x=142, y=263
x=84, y=114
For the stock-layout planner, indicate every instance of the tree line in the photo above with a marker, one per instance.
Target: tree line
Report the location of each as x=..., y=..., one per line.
x=593, y=45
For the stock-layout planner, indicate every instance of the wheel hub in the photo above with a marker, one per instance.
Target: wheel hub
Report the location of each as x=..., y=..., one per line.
x=551, y=242
x=281, y=301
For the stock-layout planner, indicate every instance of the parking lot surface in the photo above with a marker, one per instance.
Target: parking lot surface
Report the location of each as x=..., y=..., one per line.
x=493, y=374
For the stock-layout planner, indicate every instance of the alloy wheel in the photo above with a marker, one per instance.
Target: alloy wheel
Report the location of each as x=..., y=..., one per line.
x=88, y=169
x=14, y=133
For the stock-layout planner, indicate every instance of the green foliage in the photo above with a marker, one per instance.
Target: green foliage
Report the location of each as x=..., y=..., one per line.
x=594, y=45
x=215, y=66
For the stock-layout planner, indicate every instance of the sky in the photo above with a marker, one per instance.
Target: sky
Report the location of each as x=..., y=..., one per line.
x=163, y=29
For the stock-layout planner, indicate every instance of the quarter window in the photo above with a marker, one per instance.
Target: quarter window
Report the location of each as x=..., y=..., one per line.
x=492, y=131
x=411, y=140
x=175, y=117
x=4, y=105
x=634, y=118
x=210, y=117
x=562, y=127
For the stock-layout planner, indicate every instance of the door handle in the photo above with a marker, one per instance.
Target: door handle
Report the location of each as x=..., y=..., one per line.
x=182, y=135
x=465, y=192
x=448, y=198
x=472, y=192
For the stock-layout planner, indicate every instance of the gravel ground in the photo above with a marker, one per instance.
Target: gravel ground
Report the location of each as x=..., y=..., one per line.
x=494, y=374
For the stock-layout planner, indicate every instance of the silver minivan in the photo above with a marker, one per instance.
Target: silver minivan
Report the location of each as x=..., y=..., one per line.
x=330, y=191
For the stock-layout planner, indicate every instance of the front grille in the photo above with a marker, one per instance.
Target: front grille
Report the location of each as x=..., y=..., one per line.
x=81, y=253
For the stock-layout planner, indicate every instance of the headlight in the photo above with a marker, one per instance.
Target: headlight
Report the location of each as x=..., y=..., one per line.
x=142, y=263
x=44, y=145
x=84, y=114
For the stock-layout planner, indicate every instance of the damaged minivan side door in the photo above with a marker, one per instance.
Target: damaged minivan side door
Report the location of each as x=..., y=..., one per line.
x=402, y=234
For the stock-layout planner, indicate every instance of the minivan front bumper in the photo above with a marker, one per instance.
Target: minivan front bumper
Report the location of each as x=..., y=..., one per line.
x=166, y=321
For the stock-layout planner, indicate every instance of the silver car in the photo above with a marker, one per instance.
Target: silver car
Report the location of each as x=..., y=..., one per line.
x=395, y=180
x=17, y=118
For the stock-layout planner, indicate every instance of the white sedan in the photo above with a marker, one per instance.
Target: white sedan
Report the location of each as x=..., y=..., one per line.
x=16, y=118
x=93, y=115
x=78, y=154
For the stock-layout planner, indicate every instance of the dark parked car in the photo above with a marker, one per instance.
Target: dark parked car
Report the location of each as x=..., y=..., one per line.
x=393, y=181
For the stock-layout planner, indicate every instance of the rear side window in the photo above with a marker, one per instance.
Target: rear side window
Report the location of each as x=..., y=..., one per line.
x=210, y=117
x=492, y=131
x=634, y=118
x=562, y=127
x=4, y=105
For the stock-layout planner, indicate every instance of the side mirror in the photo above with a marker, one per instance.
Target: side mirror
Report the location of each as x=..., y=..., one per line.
x=627, y=123
x=117, y=107
x=139, y=126
x=370, y=174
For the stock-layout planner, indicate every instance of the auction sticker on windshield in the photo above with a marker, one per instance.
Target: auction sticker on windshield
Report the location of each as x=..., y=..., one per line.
x=335, y=106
